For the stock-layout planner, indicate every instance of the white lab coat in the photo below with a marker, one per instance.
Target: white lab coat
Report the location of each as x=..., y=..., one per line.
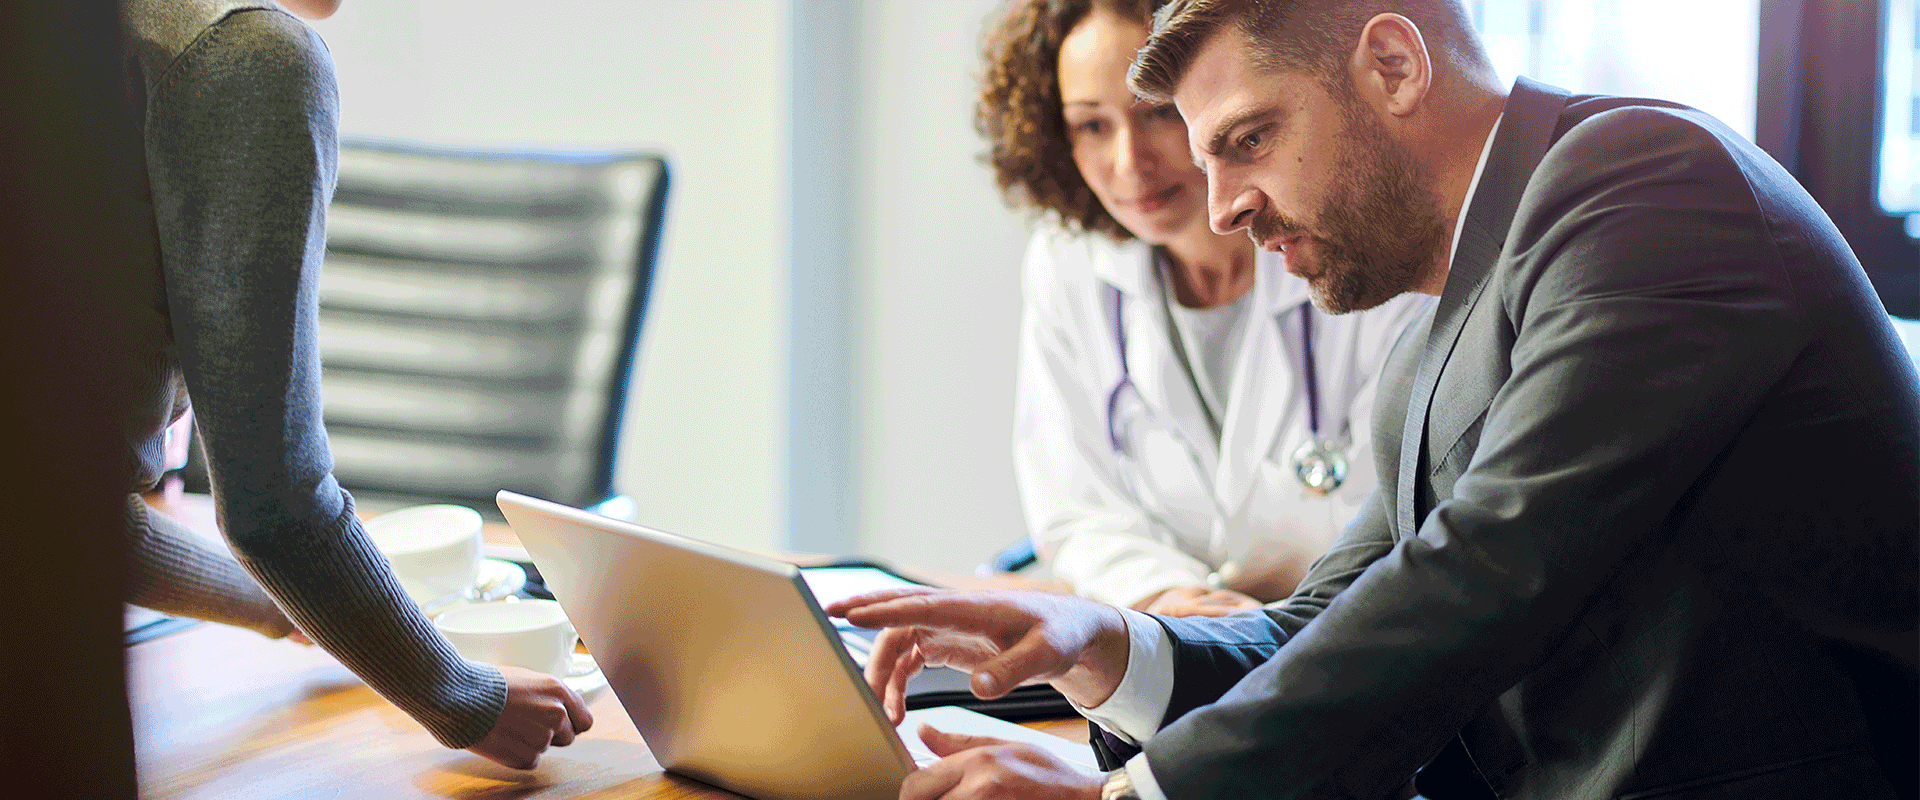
x=1175, y=507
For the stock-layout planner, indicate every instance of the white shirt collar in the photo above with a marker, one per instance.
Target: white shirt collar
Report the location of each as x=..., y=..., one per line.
x=1459, y=223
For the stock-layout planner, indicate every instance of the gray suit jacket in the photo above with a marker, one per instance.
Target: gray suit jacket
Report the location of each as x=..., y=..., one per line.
x=1648, y=511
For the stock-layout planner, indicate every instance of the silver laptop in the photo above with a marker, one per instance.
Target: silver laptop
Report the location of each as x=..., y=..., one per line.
x=724, y=660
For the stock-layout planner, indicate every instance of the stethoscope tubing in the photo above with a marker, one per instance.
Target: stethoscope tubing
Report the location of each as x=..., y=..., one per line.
x=1306, y=367
x=1126, y=375
x=1118, y=324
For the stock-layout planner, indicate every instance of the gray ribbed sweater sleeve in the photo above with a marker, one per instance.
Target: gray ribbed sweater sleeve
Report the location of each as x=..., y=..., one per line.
x=174, y=572
x=240, y=136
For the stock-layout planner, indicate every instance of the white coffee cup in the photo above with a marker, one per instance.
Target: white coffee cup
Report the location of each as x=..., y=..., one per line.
x=435, y=550
x=534, y=634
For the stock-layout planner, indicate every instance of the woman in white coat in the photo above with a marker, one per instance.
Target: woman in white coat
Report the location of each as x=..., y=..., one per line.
x=1190, y=432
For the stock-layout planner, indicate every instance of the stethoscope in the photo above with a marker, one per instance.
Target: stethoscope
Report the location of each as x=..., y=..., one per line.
x=1319, y=463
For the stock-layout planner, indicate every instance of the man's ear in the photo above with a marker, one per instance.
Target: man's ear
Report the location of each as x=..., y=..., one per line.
x=1390, y=65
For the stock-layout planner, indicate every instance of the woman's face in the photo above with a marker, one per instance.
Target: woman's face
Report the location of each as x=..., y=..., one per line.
x=1133, y=155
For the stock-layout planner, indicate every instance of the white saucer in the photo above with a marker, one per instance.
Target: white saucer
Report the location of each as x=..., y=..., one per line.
x=495, y=580
x=588, y=685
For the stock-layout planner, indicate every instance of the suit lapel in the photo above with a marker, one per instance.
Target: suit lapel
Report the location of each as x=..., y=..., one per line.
x=1525, y=132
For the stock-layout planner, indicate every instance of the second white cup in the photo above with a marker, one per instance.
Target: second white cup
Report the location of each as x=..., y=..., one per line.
x=534, y=634
x=435, y=550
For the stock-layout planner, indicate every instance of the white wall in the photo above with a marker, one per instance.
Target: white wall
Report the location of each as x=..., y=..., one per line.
x=940, y=298
x=701, y=81
x=1699, y=52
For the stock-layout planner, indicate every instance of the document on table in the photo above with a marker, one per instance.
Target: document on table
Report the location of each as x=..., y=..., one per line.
x=954, y=719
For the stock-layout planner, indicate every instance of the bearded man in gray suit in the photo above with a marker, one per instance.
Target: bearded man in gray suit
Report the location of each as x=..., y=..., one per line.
x=1650, y=478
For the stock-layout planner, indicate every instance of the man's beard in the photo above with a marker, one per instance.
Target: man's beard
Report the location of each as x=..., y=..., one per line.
x=1379, y=231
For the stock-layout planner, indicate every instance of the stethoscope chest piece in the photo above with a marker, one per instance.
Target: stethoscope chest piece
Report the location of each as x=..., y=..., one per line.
x=1320, y=466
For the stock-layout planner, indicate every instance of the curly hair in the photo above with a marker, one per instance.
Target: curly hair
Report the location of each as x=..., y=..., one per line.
x=1020, y=110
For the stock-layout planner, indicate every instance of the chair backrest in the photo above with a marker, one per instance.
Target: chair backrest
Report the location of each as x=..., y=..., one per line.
x=480, y=315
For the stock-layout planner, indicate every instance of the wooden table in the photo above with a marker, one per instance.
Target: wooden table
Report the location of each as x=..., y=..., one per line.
x=222, y=712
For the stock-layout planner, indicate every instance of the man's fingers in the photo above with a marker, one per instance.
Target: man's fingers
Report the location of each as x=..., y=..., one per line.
x=1031, y=657
x=839, y=608
x=971, y=613
x=884, y=659
x=944, y=744
x=904, y=668
x=887, y=647
x=932, y=781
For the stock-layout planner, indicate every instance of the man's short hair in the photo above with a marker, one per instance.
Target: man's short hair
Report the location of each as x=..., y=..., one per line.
x=1311, y=37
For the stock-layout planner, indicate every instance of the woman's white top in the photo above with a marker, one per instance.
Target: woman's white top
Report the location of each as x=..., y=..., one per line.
x=1208, y=341
x=1175, y=504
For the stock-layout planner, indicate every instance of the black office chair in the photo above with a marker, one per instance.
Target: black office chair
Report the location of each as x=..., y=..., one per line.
x=480, y=315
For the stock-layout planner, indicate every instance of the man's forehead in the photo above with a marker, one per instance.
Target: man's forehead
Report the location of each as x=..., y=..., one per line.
x=1222, y=88
x=1217, y=67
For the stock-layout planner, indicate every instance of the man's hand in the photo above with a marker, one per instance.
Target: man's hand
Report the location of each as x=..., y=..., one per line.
x=982, y=768
x=1004, y=638
x=1196, y=601
x=540, y=711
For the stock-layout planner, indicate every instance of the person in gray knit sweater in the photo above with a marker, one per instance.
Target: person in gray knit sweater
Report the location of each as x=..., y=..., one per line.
x=239, y=127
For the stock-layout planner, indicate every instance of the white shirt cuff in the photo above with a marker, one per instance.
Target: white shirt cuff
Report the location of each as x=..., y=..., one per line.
x=1144, y=784
x=1140, y=701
